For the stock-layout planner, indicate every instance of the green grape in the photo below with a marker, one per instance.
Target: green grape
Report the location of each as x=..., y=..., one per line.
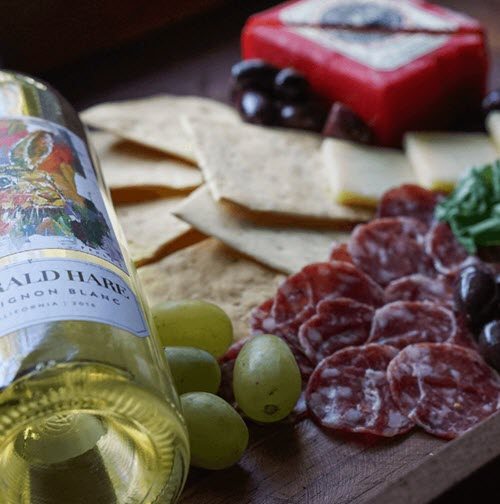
x=193, y=323
x=218, y=436
x=266, y=380
x=193, y=370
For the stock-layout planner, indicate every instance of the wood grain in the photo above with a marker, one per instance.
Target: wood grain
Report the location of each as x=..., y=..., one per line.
x=300, y=464
x=36, y=35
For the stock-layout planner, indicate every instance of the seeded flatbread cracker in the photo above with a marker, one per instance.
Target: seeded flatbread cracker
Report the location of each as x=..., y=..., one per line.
x=135, y=173
x=211, y=271
x=268, y=171
x=152, y=231
x=156, y=121
x=285, y=249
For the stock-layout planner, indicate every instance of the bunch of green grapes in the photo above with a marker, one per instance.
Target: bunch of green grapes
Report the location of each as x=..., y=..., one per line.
x=266, y=381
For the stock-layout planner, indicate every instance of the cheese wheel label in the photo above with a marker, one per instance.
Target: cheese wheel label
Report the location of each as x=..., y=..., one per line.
x=368, y=14
x=378, y=51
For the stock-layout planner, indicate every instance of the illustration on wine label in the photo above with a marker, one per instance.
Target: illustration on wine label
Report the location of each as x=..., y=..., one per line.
x=48, y=193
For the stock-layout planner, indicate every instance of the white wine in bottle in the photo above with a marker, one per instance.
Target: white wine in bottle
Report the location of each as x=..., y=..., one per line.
x=88, y=412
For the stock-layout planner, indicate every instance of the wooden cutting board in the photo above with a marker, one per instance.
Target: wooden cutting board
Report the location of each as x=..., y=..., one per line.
x=300, y=464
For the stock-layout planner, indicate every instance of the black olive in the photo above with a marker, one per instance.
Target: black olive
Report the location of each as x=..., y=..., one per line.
x=308, y=115
x=254, y=74
x=344, y=123
x=291, y=85
x=476, y=294
x=257, y=108
x=491, y=102
x=489, y=343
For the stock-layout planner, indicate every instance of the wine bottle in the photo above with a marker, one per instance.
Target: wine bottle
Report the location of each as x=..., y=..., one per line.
x=88, y=412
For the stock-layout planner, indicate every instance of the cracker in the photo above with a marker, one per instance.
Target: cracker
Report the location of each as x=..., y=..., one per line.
x=268, y=171
x=285, y=249
x=152, y=231
x=134, y=172
x=211, y=271
x=156, y=121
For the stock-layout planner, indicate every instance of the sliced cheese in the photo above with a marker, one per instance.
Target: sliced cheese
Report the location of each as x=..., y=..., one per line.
x=360, y=175
x=441, y=159
x=493, y=125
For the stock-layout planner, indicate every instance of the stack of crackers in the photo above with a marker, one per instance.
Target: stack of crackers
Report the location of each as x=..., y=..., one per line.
x=214, y=208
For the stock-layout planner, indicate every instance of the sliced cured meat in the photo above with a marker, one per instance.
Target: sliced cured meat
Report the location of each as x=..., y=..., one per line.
x=349, y=391
x=463, y=335
x=447, y=253
x=298, y=295
x=420, y=288
x=226, y=363
x=305, y=364
x=234, y=350
x=338, y=323
x=339, y=252
x=409, y=201
x=261, y=321
x=444, y=388
x=299, y=412
x=404, y=323
x=226, y=384
x=390, y=248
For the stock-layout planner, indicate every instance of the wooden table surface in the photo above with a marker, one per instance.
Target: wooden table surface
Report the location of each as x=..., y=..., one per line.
x=194, y=57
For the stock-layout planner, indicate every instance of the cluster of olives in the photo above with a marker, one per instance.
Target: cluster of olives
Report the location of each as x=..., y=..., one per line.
x=269, y=96
x=477, y=295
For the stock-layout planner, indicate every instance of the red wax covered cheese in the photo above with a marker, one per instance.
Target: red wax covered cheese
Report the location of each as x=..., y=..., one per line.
x=401, y=65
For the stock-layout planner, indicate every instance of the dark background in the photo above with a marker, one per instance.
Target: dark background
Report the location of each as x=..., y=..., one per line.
x=95, y=51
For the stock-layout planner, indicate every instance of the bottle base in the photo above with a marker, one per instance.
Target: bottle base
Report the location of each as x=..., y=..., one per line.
x=80, y=433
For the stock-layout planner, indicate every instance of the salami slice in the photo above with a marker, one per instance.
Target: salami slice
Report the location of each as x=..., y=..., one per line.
x=349, y=391
x=339, y=252
x=298, y=295
x=464, y=335
x=234, y=350
x=404, y=323
x=390, y=248
x=420, y=288
x=261, y=321
x=305, y=364
x=446, y=252
x=446, y=389
x=226, y=363
x=338, y=323
x=409, y=201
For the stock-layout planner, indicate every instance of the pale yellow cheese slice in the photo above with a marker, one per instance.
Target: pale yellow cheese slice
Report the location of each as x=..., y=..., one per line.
x=359, y=174
x=441, y=159
x=493, y=125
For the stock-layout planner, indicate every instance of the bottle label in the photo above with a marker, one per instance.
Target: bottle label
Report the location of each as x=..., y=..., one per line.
x=49, y=195
x=50, y=201
x=47, y=290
